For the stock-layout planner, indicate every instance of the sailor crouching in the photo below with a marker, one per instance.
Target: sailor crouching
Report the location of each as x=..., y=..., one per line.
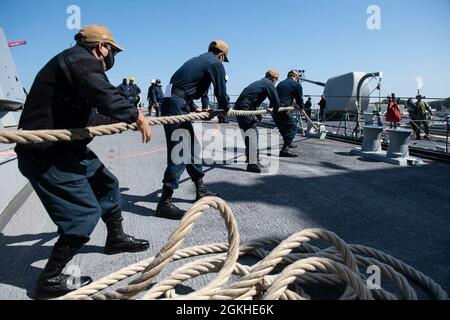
x=249, y=100
x=288, y=91
x=74, y=186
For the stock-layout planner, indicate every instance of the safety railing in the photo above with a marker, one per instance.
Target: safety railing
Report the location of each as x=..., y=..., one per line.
x=344, y=124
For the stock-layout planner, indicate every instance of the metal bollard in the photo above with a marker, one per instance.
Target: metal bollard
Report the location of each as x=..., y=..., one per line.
x=369, y=118
x=399, y=143
x=317, y=130
x=372, y=139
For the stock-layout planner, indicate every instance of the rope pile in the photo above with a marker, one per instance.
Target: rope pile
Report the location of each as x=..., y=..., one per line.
x=286, y=268
x=41, y=136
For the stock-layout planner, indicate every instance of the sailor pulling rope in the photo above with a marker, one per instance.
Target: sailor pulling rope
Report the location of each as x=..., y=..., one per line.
x=70, y=175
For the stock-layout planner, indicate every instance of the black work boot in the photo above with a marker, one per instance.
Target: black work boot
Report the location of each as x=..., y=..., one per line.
x=52, y=283
x=166, y=209
x=256, y=168
x=117, y=241
x=202, y=191
x=286, y=152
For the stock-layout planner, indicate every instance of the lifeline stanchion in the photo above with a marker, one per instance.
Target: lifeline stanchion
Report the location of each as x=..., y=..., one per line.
x=447, y=130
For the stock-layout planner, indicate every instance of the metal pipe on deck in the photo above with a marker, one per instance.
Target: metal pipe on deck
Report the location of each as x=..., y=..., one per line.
x=320, y=84
x=358, y=97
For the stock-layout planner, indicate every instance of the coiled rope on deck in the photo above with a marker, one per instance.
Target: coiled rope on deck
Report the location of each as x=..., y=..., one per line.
x=285, y=269
x=42, y=136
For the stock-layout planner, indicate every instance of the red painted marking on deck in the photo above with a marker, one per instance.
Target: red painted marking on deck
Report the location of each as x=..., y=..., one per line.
x=216, y=131
x=148, y=153
x=8, y=153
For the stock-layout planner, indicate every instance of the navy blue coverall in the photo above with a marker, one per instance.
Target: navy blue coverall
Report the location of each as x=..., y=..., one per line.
x=323, y=106
x=125, y=89
x=73, y=184
x=308, y=108
x=250, y=99
x=205, y=101
x=189, y=83
x=288, y=91
x=134, y=94
x=155, y=97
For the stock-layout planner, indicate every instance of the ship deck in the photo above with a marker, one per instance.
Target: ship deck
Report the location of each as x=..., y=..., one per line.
x=402, y=211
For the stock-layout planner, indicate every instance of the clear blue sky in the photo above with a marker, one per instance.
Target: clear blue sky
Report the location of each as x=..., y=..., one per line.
x=324, y=37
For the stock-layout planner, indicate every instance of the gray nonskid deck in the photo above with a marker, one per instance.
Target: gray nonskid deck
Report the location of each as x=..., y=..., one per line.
x=403, y=212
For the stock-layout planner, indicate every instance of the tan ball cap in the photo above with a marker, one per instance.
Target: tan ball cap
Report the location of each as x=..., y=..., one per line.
x=98, y=33
x=221, y=46
x=294, y=73
x=272, y=73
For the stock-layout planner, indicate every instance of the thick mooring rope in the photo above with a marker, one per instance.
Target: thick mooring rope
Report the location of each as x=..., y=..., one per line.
x=308, y=119
x=285, y=270
x=41, y=136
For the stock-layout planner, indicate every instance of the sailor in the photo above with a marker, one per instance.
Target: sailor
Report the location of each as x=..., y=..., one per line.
x=308, y=107
x=135, y=92
x=74, y=186
x=323, y=107
x=159, y=97
x=393, y=114
x=289, y=90
x=423, y=113
x=250, y=99
x=189, y=83
x=412, y=112
x=151, y=97
x=155, y=97
x=125, y=88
